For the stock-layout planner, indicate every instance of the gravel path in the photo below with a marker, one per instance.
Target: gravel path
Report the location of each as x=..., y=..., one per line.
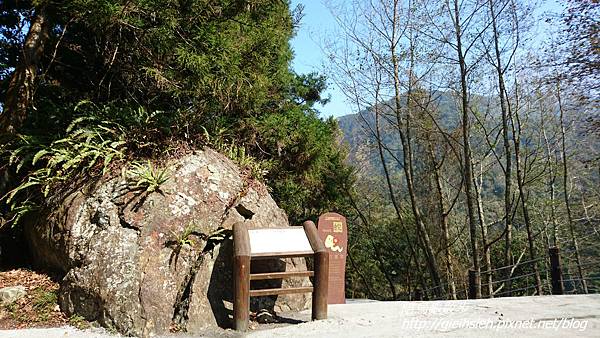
x=546, y=316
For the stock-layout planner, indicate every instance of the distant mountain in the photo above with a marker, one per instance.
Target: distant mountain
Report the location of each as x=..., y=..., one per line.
x=361, y=143
x=583, y=142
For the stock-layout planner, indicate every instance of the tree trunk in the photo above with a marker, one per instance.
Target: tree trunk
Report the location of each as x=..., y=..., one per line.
x=516, y=131
x=19, y=94
x=468, y=161
x=566, y=188
x=392, y=193
x=484, y=242
x=404, y=133
x=508, y=259
x=443, y=217
x=551, y=182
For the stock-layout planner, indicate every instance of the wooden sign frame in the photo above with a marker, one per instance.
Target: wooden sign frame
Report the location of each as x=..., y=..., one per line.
x=243, y=256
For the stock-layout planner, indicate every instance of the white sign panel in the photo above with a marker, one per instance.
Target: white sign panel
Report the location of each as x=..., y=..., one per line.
x=278, y=241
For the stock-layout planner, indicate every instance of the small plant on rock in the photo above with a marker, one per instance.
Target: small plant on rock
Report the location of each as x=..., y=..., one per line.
x=178, y=241
x=253, y=167
x=144, y=176
x=184, y=238
x=79, y=322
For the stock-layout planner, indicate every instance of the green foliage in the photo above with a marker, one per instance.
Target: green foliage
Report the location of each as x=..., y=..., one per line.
x=79, y=322
x=90, y=145
x=183, y=238
x=255, y=168
x=13, y=311
x=308, y=174
x=44, y=300
x=43, y=304
x=146, y=79
x=307, y=89
x=144, y=176
x=214, y=58
x=180, y=240
x=378, y=248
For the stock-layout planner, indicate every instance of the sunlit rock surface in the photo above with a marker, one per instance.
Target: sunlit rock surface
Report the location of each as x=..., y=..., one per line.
x=131, y=260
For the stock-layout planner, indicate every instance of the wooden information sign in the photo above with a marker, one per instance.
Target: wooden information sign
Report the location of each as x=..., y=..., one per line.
x=334, y=233
x=278, y=242
x=254, y=244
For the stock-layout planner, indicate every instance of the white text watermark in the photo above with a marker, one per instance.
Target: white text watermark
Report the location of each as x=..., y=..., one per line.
x=497, y=325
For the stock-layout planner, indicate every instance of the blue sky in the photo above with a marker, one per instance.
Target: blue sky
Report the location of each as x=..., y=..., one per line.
x=309, y=57
x=318, y=22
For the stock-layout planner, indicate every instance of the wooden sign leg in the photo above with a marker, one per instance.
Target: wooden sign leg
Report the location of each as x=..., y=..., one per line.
x=319, y=299
x=241, y=301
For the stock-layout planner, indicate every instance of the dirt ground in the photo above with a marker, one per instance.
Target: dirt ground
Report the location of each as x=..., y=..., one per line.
x=38, y=313
x=38, y=308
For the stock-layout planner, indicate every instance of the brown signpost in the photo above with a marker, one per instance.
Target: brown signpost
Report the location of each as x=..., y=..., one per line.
x=334, y=233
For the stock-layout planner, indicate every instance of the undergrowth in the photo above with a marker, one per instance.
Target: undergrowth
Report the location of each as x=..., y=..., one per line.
x=89, y=147
x=223, y=141
x=253, y=167
x=96, y=141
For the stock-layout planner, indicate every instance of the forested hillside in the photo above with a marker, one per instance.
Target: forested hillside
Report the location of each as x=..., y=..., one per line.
x=357, y=131
x=475, y=145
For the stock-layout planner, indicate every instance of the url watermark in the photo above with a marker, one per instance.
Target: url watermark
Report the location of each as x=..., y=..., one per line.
x=497, y=325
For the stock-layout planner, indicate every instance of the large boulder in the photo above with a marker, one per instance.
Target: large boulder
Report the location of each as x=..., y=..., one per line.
x=144, y=262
